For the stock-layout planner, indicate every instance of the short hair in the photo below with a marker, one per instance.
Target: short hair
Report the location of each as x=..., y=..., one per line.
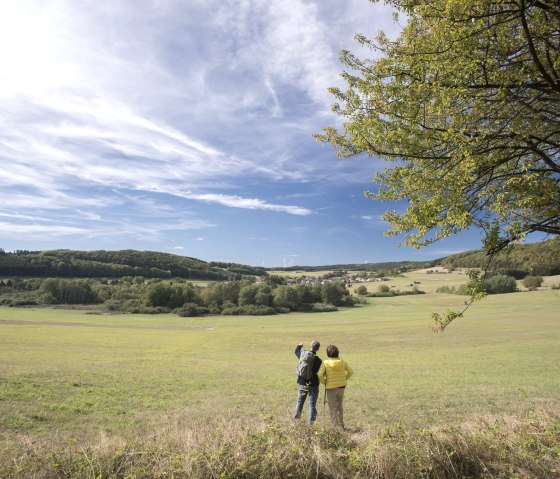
x=332, y=351
x=315, y=345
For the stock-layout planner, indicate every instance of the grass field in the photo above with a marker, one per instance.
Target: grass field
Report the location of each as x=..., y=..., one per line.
x=67, y=369
x=77, y=375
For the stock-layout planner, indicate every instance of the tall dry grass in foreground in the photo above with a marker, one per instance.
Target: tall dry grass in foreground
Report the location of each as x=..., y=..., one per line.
x=484, y=447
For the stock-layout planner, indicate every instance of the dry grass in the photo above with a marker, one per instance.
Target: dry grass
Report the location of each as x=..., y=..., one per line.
x=231, y=447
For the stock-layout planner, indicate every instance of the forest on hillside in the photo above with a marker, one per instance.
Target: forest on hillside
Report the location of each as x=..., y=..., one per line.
x=518, y=261
x=116, y=264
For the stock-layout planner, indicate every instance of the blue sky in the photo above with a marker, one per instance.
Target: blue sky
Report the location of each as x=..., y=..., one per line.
x=186, y=127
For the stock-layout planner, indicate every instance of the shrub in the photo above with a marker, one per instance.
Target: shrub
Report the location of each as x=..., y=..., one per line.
x=190, y=310
x=383, y=288
x=24, y=302
x=149, y=310
x=446, y=290
x=361, y=290
x=249, y=309
x=532, y=282
x=323, y=308
x=500, y=284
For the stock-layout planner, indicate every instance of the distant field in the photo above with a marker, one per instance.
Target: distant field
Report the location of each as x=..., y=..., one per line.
x=80, y=374
x=299, y=274
x=424, y=281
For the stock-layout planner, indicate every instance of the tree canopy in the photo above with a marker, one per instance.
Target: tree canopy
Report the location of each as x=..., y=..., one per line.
x=465, y=106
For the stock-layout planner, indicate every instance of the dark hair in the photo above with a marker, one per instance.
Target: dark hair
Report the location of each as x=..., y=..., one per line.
x=332, y=351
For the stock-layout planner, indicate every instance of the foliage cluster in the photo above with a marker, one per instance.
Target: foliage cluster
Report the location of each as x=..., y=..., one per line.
x=496, y=284
x=384, y=291
x=500, y=284
x=464, y=105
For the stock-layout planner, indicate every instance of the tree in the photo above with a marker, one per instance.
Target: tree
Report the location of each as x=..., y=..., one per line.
x=247, y=295
x=263, y=296
x=170, y=296
x=285, y=297
x=466, y=104
x=362, y=290
x=334, y=293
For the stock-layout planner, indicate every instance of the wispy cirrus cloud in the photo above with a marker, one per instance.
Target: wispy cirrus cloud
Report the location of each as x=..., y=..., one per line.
x=79, y=124
x=248, y=203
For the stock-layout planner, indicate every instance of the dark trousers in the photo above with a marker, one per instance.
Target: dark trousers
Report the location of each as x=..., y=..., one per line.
x=303, y=392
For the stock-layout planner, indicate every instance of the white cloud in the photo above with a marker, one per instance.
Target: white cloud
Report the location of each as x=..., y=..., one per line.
x=39, y=230
x=248, y=203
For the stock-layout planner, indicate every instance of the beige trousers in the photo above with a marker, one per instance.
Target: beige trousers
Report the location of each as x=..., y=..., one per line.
x=334, y=398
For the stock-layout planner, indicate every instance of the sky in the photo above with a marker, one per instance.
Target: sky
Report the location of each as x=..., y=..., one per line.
x=186, y=127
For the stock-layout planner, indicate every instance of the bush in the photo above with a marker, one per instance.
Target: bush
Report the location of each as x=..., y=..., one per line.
x=388, y=294
x=323, y=308
x=383, y=288
x=500, y=284
x=361, y=290
x=532, y=282
x=249, y=309
x=149, y=310
x=24, y=302
x=190, y=310
x=414, y=290
x=446, y=290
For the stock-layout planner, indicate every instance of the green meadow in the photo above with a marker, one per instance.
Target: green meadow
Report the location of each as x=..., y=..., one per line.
x=69, y=370
x=73, y=376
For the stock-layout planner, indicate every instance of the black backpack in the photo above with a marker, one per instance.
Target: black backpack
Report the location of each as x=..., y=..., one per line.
x=305, y=366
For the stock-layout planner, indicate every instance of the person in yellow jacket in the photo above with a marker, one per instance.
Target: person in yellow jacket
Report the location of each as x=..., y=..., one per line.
x=334, y=373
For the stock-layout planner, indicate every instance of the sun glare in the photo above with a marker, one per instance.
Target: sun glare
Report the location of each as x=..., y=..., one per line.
x=32, y=49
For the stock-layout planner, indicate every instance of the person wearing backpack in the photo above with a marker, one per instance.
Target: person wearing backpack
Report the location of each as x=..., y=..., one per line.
x=334, y=373
x=308, y=382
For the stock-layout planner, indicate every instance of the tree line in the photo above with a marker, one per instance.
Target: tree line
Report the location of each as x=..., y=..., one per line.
x=141, y=295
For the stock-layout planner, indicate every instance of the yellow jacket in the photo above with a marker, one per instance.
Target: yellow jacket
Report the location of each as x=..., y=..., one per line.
x=334, y=372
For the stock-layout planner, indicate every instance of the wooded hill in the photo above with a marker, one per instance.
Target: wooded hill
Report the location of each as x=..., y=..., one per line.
x=519, y=261
x=116, y=264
